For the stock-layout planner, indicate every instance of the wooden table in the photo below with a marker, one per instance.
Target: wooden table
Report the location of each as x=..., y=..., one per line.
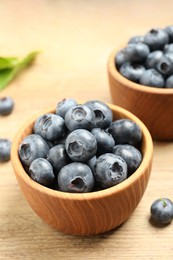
x=76, y=38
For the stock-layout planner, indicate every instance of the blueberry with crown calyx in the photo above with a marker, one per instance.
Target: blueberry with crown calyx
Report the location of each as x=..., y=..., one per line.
x=162, y=211
x=81, y=145
x=103, y=113
x=50, y=126
x=110, y=169
x=76, y=177
x=79, y=117
x=156, y=39
x=32, y=147
x=64, y=105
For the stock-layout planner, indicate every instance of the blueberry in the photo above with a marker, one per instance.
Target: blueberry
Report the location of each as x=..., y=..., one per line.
x=130, y=154
x=103, y=113
x=162, y=211
x=120, y=58
x=91, y=163
x=5, y=148
x=152, y=78
x=169, y=82
x=153, y=58
x=105, y=141
x=79, y=117
x=132, y=71
x=169, y=30
x=32, y=147
x=169, y=55
x=6, y=106
x=76, y=177
x=110, y=169
x=63, y=106
x=50, y=127
x=58, y=157
x=156, y=39
x=41, y=171
x=164, y=66
x=168, y=48
x=136, y=39
x=136, y=52
x=81, y=145
x=125, y=131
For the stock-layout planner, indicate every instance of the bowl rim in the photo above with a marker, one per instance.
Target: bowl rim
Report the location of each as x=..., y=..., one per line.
x=124, y=81
x=20, y=172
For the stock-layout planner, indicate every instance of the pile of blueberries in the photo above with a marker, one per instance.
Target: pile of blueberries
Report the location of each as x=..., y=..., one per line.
x=6, y=107
x=81, y=148
x=148, y=59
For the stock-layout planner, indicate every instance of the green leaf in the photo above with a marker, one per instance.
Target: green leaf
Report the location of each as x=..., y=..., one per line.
x=8, y=74
x=8, y=62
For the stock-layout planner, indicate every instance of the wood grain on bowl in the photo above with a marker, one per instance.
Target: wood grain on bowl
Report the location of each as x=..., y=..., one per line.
x=87, y=213
x=154, y=106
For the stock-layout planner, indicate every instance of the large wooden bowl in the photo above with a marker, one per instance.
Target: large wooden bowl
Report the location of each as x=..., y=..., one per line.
x=87, y=213
x=154, y=106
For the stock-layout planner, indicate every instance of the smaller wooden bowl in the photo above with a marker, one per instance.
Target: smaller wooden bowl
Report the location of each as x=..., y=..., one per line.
x=154, y=106
x=87, y=213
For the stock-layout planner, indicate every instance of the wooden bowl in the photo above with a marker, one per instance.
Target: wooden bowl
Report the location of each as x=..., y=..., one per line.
x=87, y=213
x=154, y=106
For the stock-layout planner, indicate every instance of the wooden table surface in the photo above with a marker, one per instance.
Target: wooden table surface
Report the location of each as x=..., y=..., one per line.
x=76, y=38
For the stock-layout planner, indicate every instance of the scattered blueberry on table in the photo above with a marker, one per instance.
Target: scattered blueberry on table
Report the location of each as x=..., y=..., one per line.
x=162, y=211
x=148, y=59
x=5, y=148
x=75, y=149
x=6, y=106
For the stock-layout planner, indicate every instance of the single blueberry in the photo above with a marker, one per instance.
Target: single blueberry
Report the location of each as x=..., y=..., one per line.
x=32, y=147
x=152, y=78
x=169, y=30
x=169, y=55
x=110, y=169
x=81, y=145
x=41, y=171
x=103, y=113
x=153, y=58
x=58, y=157
x=125, y=131
x=50, y=127
x=63, y=106
x=136, y=39
x=5, y=150
x=136, y=52
x=164, y=66
x=169, y=82
x=130, y=154
x=132, y=71
x=79, y=117
x=162, y=211
x=119, y=58
x=105, y=141
x=76, y=177
x=156, y=39
x=6, y=106
x=91, y=163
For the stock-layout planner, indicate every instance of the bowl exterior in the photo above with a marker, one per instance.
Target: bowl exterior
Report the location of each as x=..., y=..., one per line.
x=153, y=106
x=88, y=213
